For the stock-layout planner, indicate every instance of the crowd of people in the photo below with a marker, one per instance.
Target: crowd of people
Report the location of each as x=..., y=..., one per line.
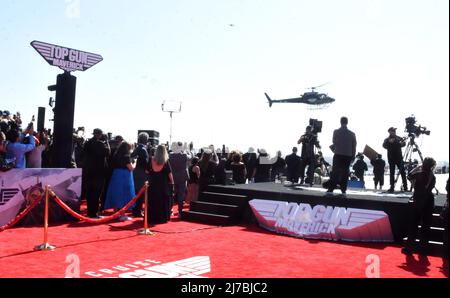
x=22, y=147
x=114, y=170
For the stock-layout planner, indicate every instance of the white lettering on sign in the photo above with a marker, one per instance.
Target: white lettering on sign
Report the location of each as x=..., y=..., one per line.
x=65, y=58
x=322, y=222
x=193, y=267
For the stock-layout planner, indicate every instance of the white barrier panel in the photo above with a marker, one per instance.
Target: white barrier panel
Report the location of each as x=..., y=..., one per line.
x=18, y=186
x=322, y=222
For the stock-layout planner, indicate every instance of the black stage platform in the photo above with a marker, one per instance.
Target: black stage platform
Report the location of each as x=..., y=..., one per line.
x=395, y=205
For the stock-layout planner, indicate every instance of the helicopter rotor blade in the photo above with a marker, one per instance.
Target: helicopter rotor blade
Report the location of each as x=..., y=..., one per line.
x=320, y=85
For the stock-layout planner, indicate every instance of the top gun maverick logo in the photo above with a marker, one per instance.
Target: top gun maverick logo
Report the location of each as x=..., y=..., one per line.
x=65, y=58
x=322, y=222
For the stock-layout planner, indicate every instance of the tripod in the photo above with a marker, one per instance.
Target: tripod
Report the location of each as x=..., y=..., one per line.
x=410, y=148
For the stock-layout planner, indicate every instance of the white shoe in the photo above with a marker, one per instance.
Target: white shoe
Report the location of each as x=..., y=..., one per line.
x=123, y=217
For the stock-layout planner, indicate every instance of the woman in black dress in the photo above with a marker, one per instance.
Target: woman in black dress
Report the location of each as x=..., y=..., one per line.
x=160, y=187
x=207, y=170
x=238, y=168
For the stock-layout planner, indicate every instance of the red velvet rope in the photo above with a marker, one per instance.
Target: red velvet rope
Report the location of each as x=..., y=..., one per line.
x=96, y=221
x=21, y=214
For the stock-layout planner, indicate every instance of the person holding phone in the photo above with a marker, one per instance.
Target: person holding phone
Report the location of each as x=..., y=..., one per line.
x=17, y=149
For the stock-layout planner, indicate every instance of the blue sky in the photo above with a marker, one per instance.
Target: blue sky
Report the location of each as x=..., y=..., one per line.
x=385, y=60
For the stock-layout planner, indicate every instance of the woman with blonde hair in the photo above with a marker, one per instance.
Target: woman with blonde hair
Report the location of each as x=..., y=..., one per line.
x=161, y=187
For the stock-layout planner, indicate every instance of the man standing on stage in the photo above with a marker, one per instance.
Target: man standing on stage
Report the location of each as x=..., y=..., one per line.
x=293, y=166
x=394, y=145
x=344, y=149
x=308, y=141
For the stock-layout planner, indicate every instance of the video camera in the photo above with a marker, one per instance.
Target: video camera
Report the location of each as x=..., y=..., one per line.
x=415, y=130
x=316, y=126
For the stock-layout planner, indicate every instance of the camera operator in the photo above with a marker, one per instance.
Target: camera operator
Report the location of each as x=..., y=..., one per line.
x=394, y=145
x=96, y=152
x=309, y=141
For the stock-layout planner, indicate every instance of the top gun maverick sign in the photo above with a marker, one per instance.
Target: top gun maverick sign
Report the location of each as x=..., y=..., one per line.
x=68, y=60
x=322, y=222
x=65, y=58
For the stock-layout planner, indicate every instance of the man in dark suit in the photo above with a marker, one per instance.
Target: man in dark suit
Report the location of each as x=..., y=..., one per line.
x=293, y=162
x=139, y=175
x=96, y=152
x=249, y=160
x=344, y=149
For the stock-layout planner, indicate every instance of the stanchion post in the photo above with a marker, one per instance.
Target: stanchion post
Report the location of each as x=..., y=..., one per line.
x=45, y=245
x=146, y=230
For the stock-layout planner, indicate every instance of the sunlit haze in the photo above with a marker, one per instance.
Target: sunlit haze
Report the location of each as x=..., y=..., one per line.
x=383, y=61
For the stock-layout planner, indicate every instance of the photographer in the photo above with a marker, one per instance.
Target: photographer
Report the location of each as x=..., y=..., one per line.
x=17, y=149
x=5, y=165
x=394, y=145
x=309, y=141
x=34, y=157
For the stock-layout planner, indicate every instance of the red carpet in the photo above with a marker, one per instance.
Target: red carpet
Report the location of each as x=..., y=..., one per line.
x=237, y=251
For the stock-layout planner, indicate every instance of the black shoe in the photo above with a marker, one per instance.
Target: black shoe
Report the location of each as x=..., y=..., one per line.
x=391, y=190
x=407, y=251
x=423, y=251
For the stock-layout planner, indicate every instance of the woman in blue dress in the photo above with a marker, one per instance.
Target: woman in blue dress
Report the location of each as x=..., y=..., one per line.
x=121, y=186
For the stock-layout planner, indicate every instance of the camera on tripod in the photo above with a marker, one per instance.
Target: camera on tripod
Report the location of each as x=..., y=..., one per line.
x=415, y=130
x=316, y=126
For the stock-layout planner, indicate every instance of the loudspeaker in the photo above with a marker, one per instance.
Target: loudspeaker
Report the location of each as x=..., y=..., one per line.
x=63, y=120
x=153, y=136
x=41, y=119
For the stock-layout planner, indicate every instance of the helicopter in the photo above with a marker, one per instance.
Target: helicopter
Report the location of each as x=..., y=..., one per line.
x=312, y=98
